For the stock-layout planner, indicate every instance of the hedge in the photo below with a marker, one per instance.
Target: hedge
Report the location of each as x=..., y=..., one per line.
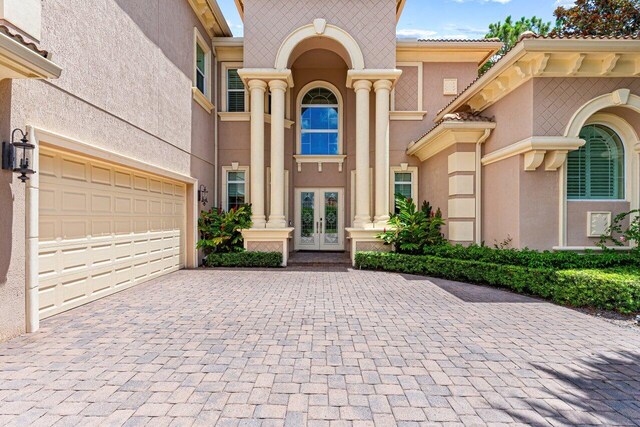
x=534, y=259
x=245, y=259
x=617, y=289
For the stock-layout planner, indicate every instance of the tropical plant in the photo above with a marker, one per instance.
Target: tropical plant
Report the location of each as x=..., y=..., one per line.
x=411, y=230
x=220, y=230
x=599, y=18
x=509, y=31
x=620, y=235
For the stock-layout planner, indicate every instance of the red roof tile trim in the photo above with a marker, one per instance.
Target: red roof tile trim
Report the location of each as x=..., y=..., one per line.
x=17, y=37
x=460, y=117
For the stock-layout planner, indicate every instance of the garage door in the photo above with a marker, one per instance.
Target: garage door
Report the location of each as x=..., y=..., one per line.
x=103, y=228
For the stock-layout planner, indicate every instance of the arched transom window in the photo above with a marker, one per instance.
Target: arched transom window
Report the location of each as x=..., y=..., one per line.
x=596, y=170
x=320, y=123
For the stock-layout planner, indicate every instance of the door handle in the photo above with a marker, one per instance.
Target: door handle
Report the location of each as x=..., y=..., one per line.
x=317, y=228
x=321, y=226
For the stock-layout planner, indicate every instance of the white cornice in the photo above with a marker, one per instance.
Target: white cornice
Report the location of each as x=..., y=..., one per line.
x=373, y=75
x=447, y=134
x=17, y=61
x=549, y=58
x=265, y=74
x=211, y=17
x=535, y=150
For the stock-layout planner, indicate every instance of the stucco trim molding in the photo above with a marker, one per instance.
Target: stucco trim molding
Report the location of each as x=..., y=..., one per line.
x=18, y=61
x=373, y=75
x=301, y=158
x=269, y=235
x=319, y=28
x=202, y=100
x=226, y=116
x=448, y=134
x=618, y=98
x=265, y=74
x=535, y=150
x=407, y=115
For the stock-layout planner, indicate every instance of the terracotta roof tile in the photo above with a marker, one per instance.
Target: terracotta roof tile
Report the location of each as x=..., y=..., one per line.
x=18, y=37
x=460, y=117
x=489, y=40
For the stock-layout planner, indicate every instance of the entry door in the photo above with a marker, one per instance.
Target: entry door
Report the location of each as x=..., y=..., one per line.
x=319, y=219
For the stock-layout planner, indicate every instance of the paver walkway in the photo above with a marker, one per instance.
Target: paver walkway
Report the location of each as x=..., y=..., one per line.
x=319, y=348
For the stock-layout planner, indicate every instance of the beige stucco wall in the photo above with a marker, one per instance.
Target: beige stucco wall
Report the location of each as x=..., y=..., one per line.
x=372, y=23
x=136, y=101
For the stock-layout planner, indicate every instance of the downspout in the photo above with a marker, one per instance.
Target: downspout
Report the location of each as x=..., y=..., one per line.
x=481, y=141
x=215, y=131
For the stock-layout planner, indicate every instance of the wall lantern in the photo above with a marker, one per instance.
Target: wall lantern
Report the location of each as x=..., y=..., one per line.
x=202, y=195
x=16, y=156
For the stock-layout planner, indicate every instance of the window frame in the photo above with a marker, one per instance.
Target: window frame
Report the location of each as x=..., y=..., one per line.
x=403, y=168
x=200, y=41
x=625, y=165
x=224, y=102
x=225, y=184
x=315, y=85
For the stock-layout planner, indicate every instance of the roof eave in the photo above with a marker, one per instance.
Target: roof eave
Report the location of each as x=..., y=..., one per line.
x=542, y=48
x=19, y=61
x=449, y=133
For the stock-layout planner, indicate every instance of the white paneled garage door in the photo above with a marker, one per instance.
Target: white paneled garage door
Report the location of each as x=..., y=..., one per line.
x=103, y=228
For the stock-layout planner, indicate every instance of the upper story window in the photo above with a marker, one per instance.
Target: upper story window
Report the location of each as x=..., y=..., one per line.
x=235, y=91
x=596, y=170
x=201, y=69
x=202, y=65
x=320, y=122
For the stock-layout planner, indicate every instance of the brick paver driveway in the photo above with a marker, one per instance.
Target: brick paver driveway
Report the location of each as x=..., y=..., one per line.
x=346, y=348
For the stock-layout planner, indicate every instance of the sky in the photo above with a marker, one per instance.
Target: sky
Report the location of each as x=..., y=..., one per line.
x=457, y=19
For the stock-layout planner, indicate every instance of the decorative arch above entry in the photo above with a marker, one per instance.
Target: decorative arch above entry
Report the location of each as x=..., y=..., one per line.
x=320, y=28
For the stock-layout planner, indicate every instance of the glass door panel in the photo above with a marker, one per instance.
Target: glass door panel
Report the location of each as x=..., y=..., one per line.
x=308, y=219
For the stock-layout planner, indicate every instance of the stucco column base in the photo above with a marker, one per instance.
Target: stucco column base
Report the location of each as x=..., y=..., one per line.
x=365, y=240
x=381, y=222
x=276, y=222
x=268, y=240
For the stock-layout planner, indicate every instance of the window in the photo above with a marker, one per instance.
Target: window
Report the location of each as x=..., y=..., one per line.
x=235, y=91
x=236, y=189
x=202, y=67
x=596, y=170
x=320, y=123
x=403, y=185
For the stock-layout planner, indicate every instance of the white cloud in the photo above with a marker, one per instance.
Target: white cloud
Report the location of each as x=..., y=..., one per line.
x=415, y=33
x=565, y=3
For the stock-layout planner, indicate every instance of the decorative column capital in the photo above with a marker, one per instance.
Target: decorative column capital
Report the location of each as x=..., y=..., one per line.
x=278, y=85
x=383, y=85
x=362, y=85
x=257, y=84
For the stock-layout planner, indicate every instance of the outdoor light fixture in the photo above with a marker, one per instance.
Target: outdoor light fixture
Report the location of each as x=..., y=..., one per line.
x=16, y=155
x=202, y=195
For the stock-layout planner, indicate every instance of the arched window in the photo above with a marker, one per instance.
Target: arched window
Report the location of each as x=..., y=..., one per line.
x=596, y=170
x=320, y=122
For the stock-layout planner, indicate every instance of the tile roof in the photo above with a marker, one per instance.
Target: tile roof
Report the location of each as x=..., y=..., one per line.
x=489, y=40
x=18, y=37
x=460, y=117
x=532, y=35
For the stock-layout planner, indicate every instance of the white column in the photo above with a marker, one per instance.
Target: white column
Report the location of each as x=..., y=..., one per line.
x=363, y=215
x=383, y=91
x=276, y=216
x=257, y=89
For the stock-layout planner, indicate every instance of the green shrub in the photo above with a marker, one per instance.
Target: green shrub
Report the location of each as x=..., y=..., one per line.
x=220, y=231
x=617, y=289
x=535, y=259
x=245, y=259
x=411, y=229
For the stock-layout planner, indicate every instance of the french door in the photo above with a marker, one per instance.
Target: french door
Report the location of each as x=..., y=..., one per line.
x=319, y=216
